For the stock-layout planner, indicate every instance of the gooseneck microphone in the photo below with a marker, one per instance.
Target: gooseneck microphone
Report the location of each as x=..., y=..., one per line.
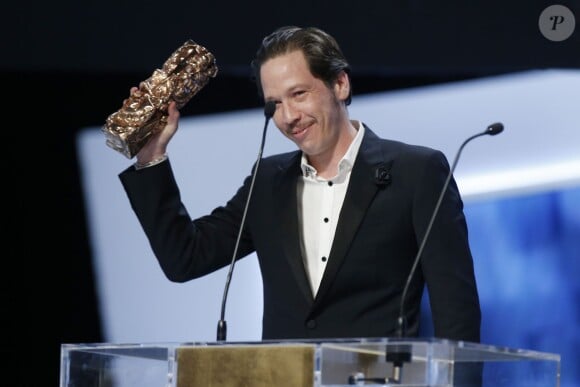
x=491, y=130
x=222, y=328
x=400, y=354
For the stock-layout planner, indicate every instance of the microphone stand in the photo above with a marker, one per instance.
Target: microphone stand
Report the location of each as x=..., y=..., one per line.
x=222, y=328
x=402, y=353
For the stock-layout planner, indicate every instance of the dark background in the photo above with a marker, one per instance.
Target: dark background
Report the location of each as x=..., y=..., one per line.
x=68, y=66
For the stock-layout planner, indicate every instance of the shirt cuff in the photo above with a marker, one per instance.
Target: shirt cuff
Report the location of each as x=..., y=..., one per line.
x=150, y=163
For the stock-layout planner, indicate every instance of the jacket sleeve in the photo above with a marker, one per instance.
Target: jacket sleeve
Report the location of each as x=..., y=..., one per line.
x=185, y=248
x=446, y=262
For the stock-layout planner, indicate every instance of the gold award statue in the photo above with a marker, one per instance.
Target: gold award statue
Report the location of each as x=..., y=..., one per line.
x=144, y=113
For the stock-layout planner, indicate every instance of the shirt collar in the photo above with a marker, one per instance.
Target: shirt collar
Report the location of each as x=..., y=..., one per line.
x=346, y=162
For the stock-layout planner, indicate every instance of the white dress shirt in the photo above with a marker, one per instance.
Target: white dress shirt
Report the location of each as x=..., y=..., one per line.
x=319, y=204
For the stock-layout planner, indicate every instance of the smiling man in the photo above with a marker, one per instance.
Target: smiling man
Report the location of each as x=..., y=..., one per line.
x=336, y=224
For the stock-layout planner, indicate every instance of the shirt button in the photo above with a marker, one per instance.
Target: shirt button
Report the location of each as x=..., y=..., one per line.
x=311, y=324
x=325, y=220
x=330, y=183
x=323, y=259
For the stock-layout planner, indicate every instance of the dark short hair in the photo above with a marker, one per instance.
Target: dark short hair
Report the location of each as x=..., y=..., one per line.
x=323, y=54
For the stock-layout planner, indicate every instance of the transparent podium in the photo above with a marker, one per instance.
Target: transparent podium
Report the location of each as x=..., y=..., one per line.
x=303, y=363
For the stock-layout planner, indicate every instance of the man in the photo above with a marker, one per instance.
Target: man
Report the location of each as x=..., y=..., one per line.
x=336, y=225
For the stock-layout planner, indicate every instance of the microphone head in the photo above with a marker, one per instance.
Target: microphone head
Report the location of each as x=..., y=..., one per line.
x=494, y=129
x=269, y=109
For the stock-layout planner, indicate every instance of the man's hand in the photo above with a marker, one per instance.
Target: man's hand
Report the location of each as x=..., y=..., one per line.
x=156, y=147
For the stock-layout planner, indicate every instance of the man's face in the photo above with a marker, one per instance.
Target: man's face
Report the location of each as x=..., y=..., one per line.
x=308, y=112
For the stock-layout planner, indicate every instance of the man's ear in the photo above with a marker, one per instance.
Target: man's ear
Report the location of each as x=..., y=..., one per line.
x=342, y=86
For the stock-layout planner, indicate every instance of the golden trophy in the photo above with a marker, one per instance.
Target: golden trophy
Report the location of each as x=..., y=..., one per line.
x=144, y=113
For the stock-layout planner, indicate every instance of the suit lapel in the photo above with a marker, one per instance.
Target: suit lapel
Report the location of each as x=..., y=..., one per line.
x=286, y=203
x=365, y=181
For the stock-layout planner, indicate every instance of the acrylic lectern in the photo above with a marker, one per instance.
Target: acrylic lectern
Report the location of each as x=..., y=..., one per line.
x=304, y=363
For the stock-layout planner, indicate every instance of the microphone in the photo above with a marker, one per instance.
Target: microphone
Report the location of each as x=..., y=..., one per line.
x=222, y=328
x=400, y=354
x=491, y=130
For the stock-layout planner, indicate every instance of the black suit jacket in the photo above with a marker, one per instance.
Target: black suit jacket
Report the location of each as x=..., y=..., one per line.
x=392, y=192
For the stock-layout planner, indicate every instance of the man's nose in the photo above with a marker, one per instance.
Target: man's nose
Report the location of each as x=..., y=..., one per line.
x=289, y=113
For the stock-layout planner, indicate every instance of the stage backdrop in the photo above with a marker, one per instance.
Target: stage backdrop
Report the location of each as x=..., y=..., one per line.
x=521, y=190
